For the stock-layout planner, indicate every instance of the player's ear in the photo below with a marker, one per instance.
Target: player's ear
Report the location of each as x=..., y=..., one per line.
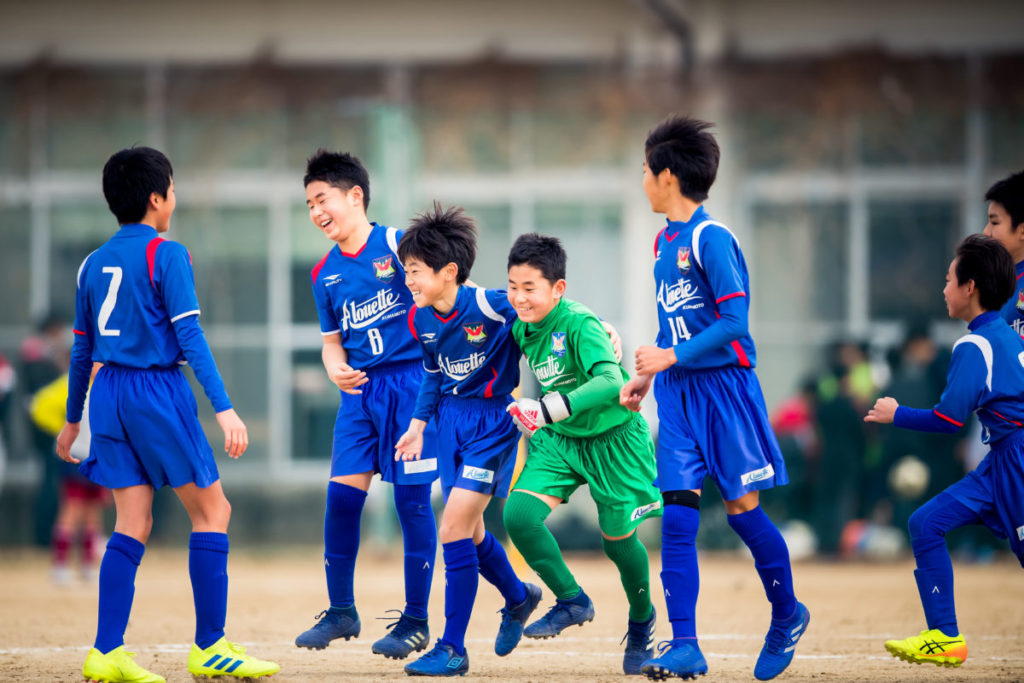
x=559, y=288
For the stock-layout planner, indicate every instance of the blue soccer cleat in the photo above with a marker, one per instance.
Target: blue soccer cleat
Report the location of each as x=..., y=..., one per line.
x=513, y=619
x=564, y=614
x=639, y=640
x=779, y=644
x=443, y=660
x=408, y=634
x=680, y=657
x=333, y=624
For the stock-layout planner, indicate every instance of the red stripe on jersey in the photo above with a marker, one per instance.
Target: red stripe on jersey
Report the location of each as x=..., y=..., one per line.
x=444, y=320
x=357, y=253
x=488, y=393
x=151, y=255
x=78, y=332
x=316, y=269
x=741, y=355
x=412, y=328
x=1020, y=275
x=656, y=238
x=729, y=296
x=1002, y=417
x=948, y=419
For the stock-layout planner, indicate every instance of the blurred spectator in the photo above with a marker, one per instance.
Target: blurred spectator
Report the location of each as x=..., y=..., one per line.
x=794, y=424
x=6, y=385
x=43, y=357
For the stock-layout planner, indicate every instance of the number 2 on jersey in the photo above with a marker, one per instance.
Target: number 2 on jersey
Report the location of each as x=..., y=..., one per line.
x=679, y=331
x=108, y=302
x=376, y=341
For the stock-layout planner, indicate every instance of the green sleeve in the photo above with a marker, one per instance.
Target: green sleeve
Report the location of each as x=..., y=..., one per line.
x=592, y=344
x=602, y=388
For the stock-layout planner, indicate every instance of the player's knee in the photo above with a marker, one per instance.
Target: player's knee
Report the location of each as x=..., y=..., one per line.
x=685, y=498
x=922, y=525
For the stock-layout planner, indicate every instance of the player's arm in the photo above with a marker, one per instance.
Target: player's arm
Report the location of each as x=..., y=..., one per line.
x=410, y=444
x=78, y=371
x=335, y=359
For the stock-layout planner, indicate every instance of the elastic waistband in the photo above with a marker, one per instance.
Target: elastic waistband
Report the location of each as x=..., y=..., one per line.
x=114, y=367
x=610, y=433
x=676, y=372
x=475, y=402
x=1014, y=438
x=393, y=368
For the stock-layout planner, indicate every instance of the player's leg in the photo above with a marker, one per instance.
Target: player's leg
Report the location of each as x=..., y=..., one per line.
x=461, y=522
x=212, y=653
x=108, y=660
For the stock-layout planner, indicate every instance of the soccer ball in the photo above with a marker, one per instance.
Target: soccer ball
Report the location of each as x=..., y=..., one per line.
x=908, y=477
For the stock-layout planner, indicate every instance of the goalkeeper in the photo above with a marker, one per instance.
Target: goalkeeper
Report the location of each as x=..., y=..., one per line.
x=579, y=434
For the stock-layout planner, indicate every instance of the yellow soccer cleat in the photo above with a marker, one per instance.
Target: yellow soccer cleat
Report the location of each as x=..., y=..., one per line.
x=931, y=646
x=117, y=666
x=225, y=658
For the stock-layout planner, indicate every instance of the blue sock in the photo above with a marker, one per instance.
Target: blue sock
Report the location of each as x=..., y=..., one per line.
x=771, y=558
x=341, y=541
x=208, y=569
x=419, y=534
x=495, y=567
x=117, y=589
x=934, y=573
x=680, y=576
x=461, y=569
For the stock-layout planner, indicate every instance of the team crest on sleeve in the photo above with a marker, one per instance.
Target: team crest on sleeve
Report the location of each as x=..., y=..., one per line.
x=384, y=268
x=683, y=259
x=558, y=343
x=1020, y=300
x=475, y=333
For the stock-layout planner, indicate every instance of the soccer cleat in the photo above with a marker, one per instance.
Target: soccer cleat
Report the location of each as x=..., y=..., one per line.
x=117, y=666
x=225, y=658
x=639, y=641
x=407, y=634
x=681, y=658
x=442, y=660
x=333, y=624
x=779, y=644
x=513, y=619
x=931, y=646
x=564, y=614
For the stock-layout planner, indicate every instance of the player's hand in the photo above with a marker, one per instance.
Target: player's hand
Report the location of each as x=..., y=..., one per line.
x=530, y=414
x=650, y=360
x=884, y=411
x=410, y=445
x=633, y=392
x=236, y=436
x=347, y=379
x=616, y=341
x=67, y=437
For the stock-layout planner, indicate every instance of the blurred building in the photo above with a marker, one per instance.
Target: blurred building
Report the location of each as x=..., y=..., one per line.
x=858, y=140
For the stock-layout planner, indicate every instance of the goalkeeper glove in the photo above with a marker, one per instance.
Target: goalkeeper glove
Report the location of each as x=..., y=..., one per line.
x=530, y=414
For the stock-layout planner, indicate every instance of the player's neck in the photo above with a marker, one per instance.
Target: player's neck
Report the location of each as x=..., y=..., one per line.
x=446, y=302
x=681, y=209
x=357, y=237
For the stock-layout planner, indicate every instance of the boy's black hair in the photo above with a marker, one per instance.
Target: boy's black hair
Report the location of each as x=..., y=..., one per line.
x=1009, y=192
x=542, y=252
x=130, y=177
x=685, y=147
x=989, y=264
x=340, y=170
x=440, y=237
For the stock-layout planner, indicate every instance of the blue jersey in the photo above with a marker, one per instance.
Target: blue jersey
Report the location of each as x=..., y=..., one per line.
x=470, y=353
x=363, y=297
x=986, y=374
x=698, y=265
x=130, y=293
x=1013, y=310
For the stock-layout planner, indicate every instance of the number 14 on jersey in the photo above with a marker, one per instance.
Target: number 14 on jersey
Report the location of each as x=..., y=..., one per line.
x=679, y=331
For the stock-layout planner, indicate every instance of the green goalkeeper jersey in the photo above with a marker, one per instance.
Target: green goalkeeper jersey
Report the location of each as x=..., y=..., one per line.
x=564, y=351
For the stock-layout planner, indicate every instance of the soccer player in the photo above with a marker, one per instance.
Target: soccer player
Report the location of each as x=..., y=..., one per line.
x=364, y=308
x=713, y=420
x=136, y=313
x=472, y=366
x=579, y=435
x=986, y=376
x=1006, y=224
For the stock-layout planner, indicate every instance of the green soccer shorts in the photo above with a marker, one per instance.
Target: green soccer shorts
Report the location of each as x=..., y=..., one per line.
x=618, y=465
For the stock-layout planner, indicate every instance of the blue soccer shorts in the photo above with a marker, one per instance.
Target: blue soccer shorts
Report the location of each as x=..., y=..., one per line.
x=476, y=445
x=713, y=423
x=370, y=424
x=145, y=430
x=994, y=490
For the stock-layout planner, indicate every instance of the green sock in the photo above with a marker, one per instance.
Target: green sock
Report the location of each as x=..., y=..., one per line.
x=524, y=520
x=630, y=556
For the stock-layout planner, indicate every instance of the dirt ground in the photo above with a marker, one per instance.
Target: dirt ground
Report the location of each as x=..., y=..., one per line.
x=46, y=630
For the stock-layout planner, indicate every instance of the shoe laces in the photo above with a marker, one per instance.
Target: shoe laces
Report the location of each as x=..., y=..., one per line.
x=638, y=634
x=236, y=648
x=439, y=651
x=327, y=618
x=402, y=625
x=663, y=647
x=777, y=638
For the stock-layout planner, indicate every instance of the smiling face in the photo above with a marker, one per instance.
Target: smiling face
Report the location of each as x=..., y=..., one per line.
x=428, y=286
x=531, y=294
x=337, y=213
x=1001, y=228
